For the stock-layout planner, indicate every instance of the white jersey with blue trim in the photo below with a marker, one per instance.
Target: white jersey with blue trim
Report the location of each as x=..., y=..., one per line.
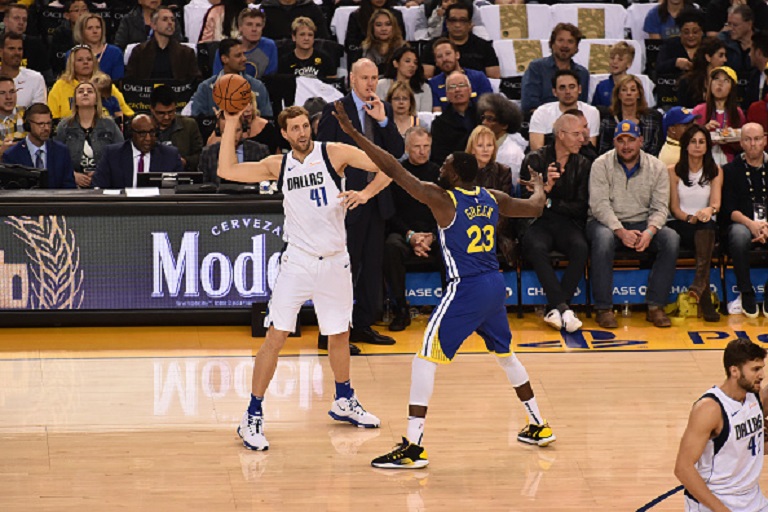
x=314, y=215
x=732, y=461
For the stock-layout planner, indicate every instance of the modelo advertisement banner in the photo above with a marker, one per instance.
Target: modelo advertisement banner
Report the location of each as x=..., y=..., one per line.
x=758, y=276
x=425, y=289
x=129, y=262
x=630, y=286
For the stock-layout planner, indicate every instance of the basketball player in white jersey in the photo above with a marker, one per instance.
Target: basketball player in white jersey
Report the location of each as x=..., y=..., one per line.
x=721, y=453
x=315, y=264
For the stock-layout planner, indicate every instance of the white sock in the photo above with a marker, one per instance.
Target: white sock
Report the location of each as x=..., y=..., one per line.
x=532, y=408
x=415, y=429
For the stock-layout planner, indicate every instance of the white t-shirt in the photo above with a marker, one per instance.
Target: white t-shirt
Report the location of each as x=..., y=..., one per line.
x=509, y=153
x=545, y=116
x=30, y=87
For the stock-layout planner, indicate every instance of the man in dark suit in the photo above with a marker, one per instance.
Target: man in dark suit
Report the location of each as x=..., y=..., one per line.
x=365, y=224
x=37, y=149
x=121, y=163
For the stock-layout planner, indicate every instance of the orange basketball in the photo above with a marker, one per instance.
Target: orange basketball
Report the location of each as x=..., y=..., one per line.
x=232, y=93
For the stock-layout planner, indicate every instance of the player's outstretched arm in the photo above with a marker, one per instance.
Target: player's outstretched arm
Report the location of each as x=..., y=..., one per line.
x=531, y=207
x=428, y=193
x=705, y=419
x=246, y=172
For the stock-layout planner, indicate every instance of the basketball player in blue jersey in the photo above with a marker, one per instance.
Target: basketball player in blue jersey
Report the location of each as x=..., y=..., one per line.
x=315, y=264
x=721, y=453
x=473, y=300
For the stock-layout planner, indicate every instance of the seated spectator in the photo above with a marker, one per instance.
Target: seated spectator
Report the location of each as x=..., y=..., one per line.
x=260, y=52
x=561, y=225
x=504, y=119
x=38, y=150
x=81, y=66
x=137, y=24
x=109, y=104
x=567, y=91
x=90, y=30
x=162, y=57
x=628, y=206
x=451, y=129
x=121, y=162
x=246, y=151
x=35, y=52
x=628, y=102
x=436, y=21
x=403, y=102
x=675, y=122
x=412, y=229
x=475, y=53
x=621, y=57
x=233, y=61
x=693, y=85
x=756, y=83
x=62, y=39
x=695, y=186
x=11, y=117
x=357, y=25
x=86, y=132
x=382, y=39
x=30, y=85
x=676, y=54
x=404, y=66
x=281, y=13
x=491, y=174
x=660, y=22
x=717, y=14
x=721, y=112
x=257, y=129
x=588, y=149
x=447, y=61
x=314, y=107
x=304, y=60
x=744, y=186
x=737, y=37
x=174, y=130
x=220, y=21
x=564, y=44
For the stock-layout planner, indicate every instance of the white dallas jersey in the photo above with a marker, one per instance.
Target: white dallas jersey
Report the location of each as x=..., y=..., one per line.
x=314, y=215
x=732, y=461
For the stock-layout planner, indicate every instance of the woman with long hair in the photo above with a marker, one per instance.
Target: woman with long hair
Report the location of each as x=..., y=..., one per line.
x=404, y=66
x=721, y=112
x=357, y=26
x=81, y=65
x=694, y=83
x=696, y=183
x=628, y=102
x=86, y=132
x=382, y=39
x=401, y=97
x=91, y=30
x=221, y=21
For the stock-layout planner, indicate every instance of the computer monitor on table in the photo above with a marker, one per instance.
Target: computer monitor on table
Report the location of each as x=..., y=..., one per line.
x=19, y=177
x=167, y=179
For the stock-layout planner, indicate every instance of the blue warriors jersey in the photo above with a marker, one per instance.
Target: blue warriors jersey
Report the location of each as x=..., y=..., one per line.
x=469, y=243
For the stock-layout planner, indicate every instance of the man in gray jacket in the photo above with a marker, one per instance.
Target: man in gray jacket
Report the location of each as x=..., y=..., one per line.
x=628, y=205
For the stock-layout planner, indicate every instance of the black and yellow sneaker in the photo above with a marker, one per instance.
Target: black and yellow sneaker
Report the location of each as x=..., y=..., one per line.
x=405, y=456
x=540, y=435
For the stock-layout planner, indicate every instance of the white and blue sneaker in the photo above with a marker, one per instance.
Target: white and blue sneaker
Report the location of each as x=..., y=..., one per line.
x=554, y=320
x=570, y=322
x=251, y=431
x=350, y=410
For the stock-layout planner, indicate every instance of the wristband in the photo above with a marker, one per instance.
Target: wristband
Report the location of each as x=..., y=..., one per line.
x=650, y=232
x=688, y=218
x=408, y=237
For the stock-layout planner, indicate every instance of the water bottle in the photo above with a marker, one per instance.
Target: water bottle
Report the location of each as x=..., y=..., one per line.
x=626, y=312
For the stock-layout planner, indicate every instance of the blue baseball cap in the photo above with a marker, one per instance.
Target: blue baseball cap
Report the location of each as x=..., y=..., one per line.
x=626, y=127
x=677, y=115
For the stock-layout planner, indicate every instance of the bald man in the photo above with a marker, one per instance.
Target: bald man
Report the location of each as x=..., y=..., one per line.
x=743, y=188
x=121, y=163
x=373, y=117
x=451, y=130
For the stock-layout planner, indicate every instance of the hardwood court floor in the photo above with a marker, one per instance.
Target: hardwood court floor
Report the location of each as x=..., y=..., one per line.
x=144, y=419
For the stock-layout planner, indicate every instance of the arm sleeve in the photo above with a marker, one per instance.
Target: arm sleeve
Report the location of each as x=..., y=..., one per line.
x=128, y=111
x=271, y=51
x=531, y=88
x=599, y=195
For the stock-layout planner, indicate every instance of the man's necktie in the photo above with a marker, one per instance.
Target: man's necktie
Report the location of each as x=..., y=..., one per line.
x=368, y=132
x=141, y=163
x=39, y=162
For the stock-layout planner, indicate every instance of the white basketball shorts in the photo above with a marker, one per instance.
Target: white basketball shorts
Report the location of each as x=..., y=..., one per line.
x=326, y=281
x=753, y=501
